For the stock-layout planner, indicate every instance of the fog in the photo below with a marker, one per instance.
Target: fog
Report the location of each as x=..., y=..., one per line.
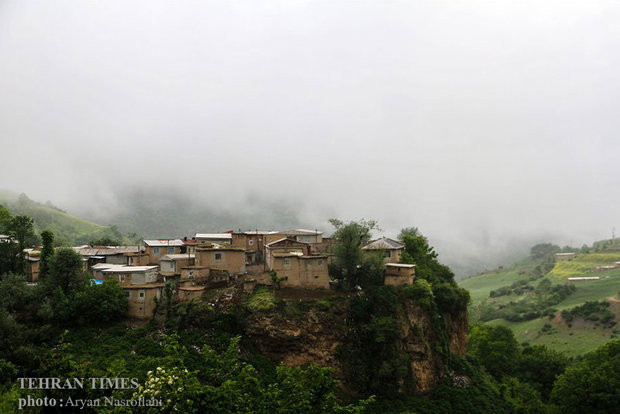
x=489, y=125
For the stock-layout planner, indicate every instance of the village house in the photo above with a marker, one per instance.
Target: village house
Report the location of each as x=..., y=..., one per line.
x=221, y=257
x=399, y=274
x=391, y=249
x=32, y=256
x=254, y=242
x=285, y=245
x=171, y=264
x=155, y=249
x=189, y=245
x=300, y=271
x=294, y=261
x=106, y=254
x=140, y=283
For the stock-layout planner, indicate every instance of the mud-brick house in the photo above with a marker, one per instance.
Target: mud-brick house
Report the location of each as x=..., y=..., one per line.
x=32, y=256
x=285, y=245
x=254, y=242
x=392, y=250
x=301, y=271
x=161, y=247
x=399, y=274
x=107, y=254
x=221, y=257
x=171, y=264
x=313, y=237
x=140, y=283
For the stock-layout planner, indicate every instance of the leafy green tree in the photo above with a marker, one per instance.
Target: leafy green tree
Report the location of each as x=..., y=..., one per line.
x=348, y=242
x=15, y=294
x=495, y=347
x=540, y=366
x=99, y=304
x=448, y=295
x=543, y=251
x=66, y=272
x=592, y=385
x=21, y=228
x=47, y=252
x=5, y=219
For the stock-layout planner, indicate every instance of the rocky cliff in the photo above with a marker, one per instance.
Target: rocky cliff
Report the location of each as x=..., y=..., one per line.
x=311, y=331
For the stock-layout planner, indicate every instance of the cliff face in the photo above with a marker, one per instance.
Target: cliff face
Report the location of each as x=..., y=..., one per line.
x=313, y=336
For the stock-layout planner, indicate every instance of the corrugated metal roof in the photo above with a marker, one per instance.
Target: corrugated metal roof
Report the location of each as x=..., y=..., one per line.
x=301, y=232
x=213, y=236
x=406, y=266
x=384, y=243
x=106, y=250
x=178, y=257
x=164, y=243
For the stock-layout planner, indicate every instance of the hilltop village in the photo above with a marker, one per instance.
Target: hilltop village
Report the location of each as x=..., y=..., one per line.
x=293, y=259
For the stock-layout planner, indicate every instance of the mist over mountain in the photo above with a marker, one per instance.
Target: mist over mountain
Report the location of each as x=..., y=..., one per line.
x=491, y=127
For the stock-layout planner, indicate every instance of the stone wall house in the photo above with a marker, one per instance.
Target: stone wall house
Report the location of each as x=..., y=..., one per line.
x=155, y=249
x=391, y=249
x=399, y=274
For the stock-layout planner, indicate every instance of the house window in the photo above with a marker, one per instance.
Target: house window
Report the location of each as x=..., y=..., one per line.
x=287, y=262
x=319, y=262
x=141, y=294
x=129, y=294
x=218, y=256
x=251, y=242
x=155, y=250
x=121, y=278
x=388, y=253
x=170, y=250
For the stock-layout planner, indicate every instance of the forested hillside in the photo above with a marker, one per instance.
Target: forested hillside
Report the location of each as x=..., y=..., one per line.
x=68, y=229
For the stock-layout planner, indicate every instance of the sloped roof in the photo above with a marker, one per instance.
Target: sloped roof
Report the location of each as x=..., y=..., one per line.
x=214, y=236
x=301, y=232
x=291, y=241
x=164, y=243
x=384, y=243
x=178, y=256
x=118, y=268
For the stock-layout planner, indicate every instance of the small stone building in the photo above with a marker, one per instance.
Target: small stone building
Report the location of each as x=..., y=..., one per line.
x=399, y=274
x=391, y=249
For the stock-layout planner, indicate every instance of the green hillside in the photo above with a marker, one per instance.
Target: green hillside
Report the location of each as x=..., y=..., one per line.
x=529, y=297
x=67, y=229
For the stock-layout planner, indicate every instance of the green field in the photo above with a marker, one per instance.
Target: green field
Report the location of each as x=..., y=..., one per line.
x=552, y=331
x=480, y=286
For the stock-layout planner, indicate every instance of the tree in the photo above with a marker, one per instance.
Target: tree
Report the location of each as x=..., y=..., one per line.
x=66, y=272
x=46, y=253
x=540, y=366
x=5, y=219
x=99, y=303
x=495, y=347
x=21, y=227
x=591, y=385
x=348, y=242
x=543, y=251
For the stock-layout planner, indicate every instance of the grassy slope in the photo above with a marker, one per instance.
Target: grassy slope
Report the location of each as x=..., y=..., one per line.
x=68, y=229
x=576, y=340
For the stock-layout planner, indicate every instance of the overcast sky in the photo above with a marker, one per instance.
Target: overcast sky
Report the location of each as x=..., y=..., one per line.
x=481, y=123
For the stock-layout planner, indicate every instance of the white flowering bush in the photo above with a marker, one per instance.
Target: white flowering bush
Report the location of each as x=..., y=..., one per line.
x=174, y=387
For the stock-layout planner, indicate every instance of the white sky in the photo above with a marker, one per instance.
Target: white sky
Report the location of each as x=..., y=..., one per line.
x=481, y=122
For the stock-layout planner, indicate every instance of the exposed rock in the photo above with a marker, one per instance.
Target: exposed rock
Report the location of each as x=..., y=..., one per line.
x=314, y=335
